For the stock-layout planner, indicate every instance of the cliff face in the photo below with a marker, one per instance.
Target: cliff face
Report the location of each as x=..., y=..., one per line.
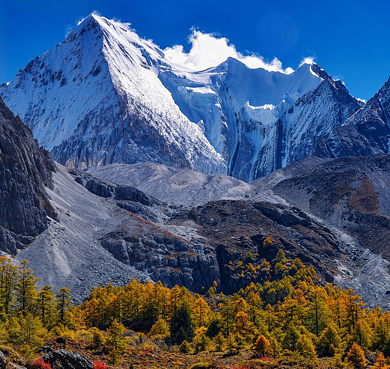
x=25, y=169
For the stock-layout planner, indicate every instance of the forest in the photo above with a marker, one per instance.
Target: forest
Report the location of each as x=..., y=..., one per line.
x=292, y=319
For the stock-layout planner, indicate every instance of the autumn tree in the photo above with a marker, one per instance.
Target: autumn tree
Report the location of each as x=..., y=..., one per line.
x=231, y=343
x=219, y=341
x=305, y=347
x=356, y=357
x=201, y=311
x=291, y=337
x=380, y=361
x=329, y=340
x=8, y=278
x=46, y=305
x=26, y=333
x=262, y=345
x=116, y=341
x=160, y=328
x=362, y=334
x=25, y=289
x=201, y=341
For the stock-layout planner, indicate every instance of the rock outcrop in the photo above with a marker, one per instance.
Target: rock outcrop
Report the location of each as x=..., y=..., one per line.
x=63, y=359
x=25, y=170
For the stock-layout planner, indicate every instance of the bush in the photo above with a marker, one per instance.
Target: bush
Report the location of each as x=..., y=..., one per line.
x=202, y=365
x=185, y=347
x=99, y=365
x=40, y=364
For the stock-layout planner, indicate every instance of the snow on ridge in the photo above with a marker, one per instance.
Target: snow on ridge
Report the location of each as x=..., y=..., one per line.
x=106, y=95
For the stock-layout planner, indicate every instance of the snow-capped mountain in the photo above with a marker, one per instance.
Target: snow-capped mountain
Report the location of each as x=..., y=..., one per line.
x=365, y=133
x=96, y=99
x=105, y=95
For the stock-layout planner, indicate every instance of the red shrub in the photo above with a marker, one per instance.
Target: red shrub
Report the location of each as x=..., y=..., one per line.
x=40, y=364
x=99, y=365
x=265, y=358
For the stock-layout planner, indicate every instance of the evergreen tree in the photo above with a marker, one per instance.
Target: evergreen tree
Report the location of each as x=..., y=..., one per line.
x=181, y=326
x=63, y=303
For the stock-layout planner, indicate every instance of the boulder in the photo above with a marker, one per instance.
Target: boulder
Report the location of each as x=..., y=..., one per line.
x=63, y=359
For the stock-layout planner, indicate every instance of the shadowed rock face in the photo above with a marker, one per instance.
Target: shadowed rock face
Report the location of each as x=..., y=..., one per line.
x=235, y=228
x=365, y=133
x=350, y=193
x=25, y=169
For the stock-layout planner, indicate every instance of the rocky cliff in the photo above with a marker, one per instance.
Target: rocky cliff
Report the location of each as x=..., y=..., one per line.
x=25, y=170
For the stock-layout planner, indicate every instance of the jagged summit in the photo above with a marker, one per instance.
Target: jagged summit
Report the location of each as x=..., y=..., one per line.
x=106, y=95
x=364, y=133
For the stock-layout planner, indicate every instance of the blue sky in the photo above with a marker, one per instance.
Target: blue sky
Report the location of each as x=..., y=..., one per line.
x=349, y=39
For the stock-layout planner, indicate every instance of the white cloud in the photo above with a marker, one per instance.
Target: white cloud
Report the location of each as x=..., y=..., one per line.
x=209, y=51
x=307, y=60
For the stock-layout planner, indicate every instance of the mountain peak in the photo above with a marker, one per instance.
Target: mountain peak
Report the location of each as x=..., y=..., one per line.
x=106, y=95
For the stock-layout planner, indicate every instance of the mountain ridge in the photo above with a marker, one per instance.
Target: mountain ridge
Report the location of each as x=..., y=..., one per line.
x=105, y=95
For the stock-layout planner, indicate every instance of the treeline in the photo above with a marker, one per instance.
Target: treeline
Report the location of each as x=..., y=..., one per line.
x=289, y=315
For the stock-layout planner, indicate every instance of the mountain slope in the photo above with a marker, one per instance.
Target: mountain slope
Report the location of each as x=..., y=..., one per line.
x=105, y=95
x=365, y=133
x=185, y=187
x=25, y=169
x=350, y=195
x=95, y=99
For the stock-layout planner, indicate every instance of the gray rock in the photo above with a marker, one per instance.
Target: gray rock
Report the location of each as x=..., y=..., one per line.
x=133, y=194
x=3, y=361
x=99, y=188
x=63, y=359
x=25, y=169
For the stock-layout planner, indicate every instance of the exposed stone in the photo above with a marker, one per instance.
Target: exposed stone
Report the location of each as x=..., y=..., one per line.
x=133, y=194
x=63, y=359
x=25, y=169
x=3, y=361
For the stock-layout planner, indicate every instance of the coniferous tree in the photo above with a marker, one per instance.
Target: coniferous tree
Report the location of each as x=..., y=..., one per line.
x=329, y=340
x=160, y=328
x=63, y=303
x=8, y=278
x=305, y=347
x=46, y=305
x=262, y=345
x=181, y=325
x=356, y=357
x=116, y=341
x=26, y=289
